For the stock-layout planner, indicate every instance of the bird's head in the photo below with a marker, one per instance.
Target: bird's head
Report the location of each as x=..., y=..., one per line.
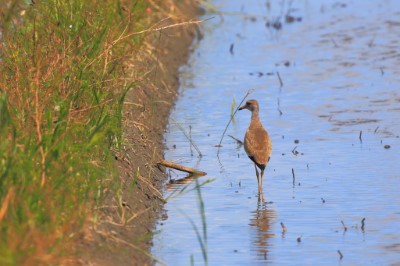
x=251, y=105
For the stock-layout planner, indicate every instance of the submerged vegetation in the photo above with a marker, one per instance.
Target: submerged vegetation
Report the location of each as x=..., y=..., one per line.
x=63, y=79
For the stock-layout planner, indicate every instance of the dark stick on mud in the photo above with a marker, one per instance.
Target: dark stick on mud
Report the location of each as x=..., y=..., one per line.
x=340, y=254
x=280, y=79
x=182, y=168
x=360, y=136
x=294, y=178
x=232, y=116
x=363, y=224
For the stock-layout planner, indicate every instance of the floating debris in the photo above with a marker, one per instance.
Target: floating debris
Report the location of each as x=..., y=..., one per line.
x=291, y=19
x=360, y=136
x=231, y=48
x=276, y=24
x=387, y=146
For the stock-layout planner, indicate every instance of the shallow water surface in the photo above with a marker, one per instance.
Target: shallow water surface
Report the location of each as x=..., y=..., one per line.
x=334, y=121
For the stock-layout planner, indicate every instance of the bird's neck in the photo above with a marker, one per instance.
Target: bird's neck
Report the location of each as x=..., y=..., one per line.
x=255, y=119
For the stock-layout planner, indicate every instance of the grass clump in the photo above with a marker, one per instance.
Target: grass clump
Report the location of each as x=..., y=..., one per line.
x=62, y=86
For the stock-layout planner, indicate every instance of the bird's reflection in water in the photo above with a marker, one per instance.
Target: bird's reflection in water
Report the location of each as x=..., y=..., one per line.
x=261, y=222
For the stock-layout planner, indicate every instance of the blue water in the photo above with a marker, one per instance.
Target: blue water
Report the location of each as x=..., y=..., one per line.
x=341, y=77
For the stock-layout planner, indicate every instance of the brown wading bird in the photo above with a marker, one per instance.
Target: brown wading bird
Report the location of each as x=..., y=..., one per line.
x=257, y=143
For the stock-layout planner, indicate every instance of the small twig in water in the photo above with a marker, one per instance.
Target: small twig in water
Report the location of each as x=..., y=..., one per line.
x=340, y=254
x=230, y=120
x=231, y=49
x=283, y=228
x=294, y=178
x=188, y=137
x=360, y=136
x=344, y=226
x=376, y=129
x=363, y=224
x=238, y=140
x=280, y=80
x=279, y=107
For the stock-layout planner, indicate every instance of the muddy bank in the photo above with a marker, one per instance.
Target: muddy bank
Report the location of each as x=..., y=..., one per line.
x=122, y=234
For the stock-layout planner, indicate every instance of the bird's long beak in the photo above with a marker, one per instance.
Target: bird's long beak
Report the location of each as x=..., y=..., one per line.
x=242, y=107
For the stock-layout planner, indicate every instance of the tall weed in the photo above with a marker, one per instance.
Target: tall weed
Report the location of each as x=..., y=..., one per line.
x=62, y=86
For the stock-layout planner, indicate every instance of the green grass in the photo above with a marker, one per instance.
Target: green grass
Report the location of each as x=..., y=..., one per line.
x=62, y=87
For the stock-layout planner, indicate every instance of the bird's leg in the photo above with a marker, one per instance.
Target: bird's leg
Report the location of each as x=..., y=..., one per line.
x=258, y=176
x=261, y=198
x=262, y=178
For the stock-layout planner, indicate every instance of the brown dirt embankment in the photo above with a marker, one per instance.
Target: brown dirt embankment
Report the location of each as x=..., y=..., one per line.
x=122, y=234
